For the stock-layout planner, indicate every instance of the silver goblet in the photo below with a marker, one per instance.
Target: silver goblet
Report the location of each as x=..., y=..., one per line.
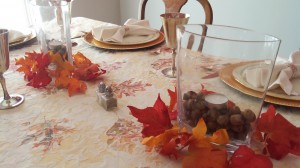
x=13, y=100
x=170, y=21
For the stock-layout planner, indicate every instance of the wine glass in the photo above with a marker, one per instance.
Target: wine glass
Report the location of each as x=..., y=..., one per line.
x=170, y=21
x=13, y=100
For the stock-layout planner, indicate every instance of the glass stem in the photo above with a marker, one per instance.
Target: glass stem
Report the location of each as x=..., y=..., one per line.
x=173, y=61
x=2, y=80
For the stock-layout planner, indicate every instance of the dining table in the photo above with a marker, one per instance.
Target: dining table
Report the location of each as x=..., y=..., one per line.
x=53, y=129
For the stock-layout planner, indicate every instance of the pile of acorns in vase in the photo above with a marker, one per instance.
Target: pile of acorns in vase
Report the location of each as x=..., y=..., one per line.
x=214, y=109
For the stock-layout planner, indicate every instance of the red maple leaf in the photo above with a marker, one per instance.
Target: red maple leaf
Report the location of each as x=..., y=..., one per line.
x=280, y=136
x=155, y=119
x=244, y=157
x=204, y=91
x=173, y=101
x=40, y=79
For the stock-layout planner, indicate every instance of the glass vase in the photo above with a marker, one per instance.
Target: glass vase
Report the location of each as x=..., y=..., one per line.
x=51, y=19
x=212, y=63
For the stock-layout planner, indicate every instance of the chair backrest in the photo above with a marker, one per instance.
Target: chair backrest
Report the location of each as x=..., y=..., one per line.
x=175, y=6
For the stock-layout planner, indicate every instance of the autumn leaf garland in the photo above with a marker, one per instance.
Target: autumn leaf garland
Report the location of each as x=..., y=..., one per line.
x=40, y=68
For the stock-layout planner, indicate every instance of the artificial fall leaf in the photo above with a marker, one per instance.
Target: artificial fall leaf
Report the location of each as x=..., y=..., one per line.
x=33, y=65
x=205, y=158
x=162, y=138
x=244, y=157
x=204, y=91
x=170, y=149
x=280, y=136
x=60, y=62
x=40, y=79
x=74, y=85
x=85, y=69
x=173, y=101
x=81, y=61
x=155, y=119
x=200, y=139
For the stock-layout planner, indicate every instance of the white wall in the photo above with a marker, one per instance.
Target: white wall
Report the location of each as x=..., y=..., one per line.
x=280, y=18
x=104, y=10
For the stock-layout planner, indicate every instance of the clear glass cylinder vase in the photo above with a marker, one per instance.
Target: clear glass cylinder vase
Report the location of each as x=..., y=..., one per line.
x=217, y=66
x=51, y=19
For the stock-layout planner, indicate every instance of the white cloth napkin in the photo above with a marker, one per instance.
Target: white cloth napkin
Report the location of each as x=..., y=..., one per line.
x=15, y=35
x=117, y=33
x=282, y=75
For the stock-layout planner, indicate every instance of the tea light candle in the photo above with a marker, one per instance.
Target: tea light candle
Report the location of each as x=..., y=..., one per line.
x=216, y=101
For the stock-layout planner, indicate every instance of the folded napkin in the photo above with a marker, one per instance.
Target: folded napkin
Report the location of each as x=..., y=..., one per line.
x=281, y=77
x=15, y=35
x=117, y=33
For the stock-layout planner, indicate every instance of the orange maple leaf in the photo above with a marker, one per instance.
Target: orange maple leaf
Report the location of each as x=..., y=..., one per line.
x=85, y=69
x=61, y=63
x=205, y=158
x=72, y=84
x=200, y=139
x=201, y=151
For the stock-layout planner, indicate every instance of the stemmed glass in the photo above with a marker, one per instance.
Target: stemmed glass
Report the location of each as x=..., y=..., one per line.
x=13, y=100
x=170, y=21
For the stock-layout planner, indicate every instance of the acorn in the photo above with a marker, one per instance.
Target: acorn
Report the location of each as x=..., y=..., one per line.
x=223, y=120
x=196, y=114
x=236, y=119
x=249, y=115
x=212, y=115
x=235, y=110
x=189, y=95
x=237, y=128
x=212, y=126
x=200, y=105
x=200, y=96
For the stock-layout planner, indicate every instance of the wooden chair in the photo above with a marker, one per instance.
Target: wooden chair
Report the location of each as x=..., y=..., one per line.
x=175, y=6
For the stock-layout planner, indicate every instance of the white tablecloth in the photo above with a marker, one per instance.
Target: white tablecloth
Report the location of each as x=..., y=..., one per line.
x=51, y=129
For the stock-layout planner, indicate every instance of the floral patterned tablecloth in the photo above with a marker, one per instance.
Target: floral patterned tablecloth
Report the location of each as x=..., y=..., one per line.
x=51, y=129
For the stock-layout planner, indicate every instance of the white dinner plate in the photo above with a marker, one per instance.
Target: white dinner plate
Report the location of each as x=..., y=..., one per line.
x=135, y=39
x=278, y=92
x=21, y=37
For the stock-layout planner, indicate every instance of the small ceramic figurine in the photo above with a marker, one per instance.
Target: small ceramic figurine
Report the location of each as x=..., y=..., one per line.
x=108, y=99
x=100, y=91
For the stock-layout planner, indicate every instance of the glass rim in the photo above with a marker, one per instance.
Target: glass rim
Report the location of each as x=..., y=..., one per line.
x=276, y=39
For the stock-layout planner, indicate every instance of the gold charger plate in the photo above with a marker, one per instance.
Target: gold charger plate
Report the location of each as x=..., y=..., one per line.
x=89, y=39
x=227, y=77
x=31, y=36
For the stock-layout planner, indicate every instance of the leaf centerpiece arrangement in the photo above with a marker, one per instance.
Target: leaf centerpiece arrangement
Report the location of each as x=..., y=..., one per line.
x=40, y=68
x=197, y=149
